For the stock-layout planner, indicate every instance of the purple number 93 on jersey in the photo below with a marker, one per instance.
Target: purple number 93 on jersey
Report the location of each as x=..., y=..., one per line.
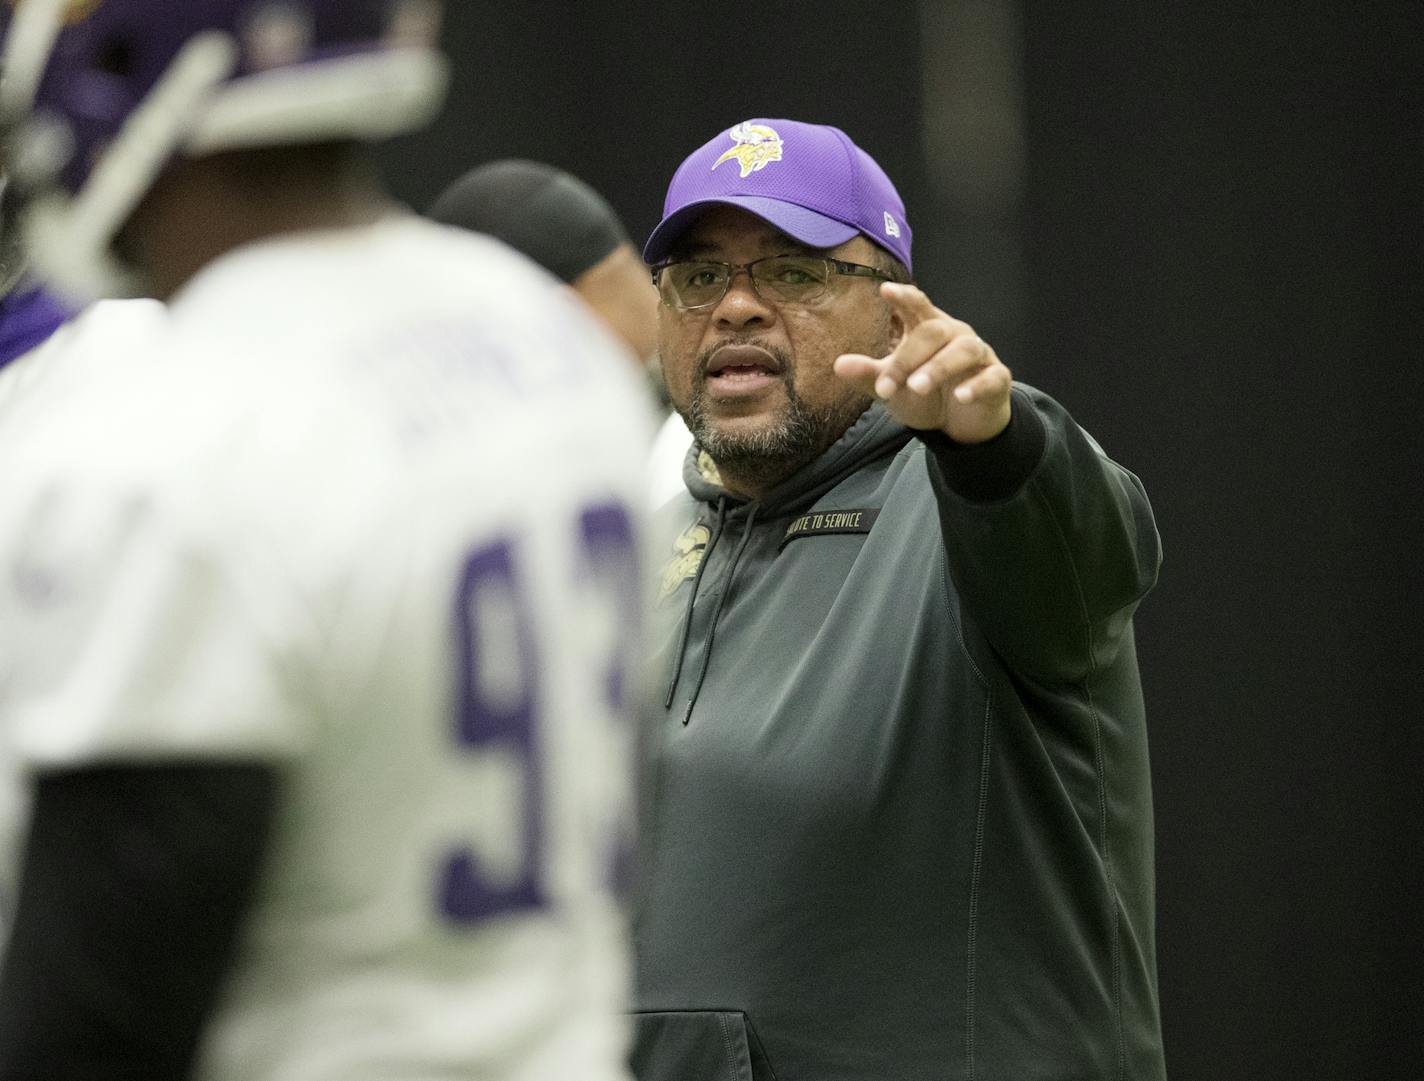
x=500, y=698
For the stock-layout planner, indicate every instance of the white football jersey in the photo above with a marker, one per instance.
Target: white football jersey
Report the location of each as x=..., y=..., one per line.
x=367, y=515
x=101, y=341
x=105, y=341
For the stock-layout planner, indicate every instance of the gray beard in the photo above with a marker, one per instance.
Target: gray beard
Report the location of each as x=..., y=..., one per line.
x=767, y=457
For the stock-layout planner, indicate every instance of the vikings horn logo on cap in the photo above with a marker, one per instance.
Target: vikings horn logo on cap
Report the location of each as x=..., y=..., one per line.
x=757, y=147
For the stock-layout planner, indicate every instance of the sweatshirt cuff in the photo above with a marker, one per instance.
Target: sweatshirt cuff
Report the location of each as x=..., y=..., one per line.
x=995, y=469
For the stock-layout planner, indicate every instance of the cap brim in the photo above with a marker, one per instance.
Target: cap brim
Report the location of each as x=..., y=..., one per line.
x=807, y=226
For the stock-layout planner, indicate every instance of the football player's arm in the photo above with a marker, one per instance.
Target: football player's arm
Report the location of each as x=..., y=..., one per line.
x=134, y=884
x=145, y=697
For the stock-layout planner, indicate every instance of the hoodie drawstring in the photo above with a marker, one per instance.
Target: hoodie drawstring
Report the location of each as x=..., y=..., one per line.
x=716, y=614
x=717, y=528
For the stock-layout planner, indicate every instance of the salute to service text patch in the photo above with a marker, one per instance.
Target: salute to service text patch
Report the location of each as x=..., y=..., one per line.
x=830, y=521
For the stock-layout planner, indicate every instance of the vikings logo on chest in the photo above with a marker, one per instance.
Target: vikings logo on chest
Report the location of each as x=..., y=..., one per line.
x=688, y=550
x=757, y=147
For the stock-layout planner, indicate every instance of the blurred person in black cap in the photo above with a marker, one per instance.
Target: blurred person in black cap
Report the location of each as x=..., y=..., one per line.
x=566, y=227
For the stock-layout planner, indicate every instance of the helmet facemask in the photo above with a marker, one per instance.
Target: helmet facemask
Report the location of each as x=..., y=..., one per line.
x=131, y=86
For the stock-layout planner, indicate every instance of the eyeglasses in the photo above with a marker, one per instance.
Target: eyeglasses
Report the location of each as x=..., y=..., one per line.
x=778, y=278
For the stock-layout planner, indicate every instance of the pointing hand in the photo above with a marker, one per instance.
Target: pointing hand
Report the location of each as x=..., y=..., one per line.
x=941, y=375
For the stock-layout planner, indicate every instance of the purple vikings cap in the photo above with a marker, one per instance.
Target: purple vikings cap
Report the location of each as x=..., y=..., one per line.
x=808, y=180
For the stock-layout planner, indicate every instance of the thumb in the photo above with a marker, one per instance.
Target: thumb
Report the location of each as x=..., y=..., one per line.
x=859, y=371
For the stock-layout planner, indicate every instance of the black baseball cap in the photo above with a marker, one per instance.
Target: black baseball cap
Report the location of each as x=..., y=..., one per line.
x=547, y=214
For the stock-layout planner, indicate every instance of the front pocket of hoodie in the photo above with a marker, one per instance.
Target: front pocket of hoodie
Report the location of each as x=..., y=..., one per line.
x=697, y=1045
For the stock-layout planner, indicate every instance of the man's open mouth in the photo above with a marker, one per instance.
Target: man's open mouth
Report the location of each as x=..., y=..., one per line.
x=737, y=366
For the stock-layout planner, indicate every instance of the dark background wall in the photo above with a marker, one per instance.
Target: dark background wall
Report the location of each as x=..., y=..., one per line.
x=1223, y=226
x=1209, y=249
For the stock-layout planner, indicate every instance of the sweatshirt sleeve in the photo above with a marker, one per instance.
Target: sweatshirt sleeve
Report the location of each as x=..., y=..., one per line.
x=1050, y=542
x=136, y=879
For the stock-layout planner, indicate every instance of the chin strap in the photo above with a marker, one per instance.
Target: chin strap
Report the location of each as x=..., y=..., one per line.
x=196, y=108
x=34, y=28
x=70, y=238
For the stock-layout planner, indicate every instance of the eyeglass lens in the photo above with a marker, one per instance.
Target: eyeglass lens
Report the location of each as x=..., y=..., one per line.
x=782, y=277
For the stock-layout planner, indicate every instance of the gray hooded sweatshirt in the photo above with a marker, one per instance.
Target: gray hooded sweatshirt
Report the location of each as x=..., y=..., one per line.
x=898, y=819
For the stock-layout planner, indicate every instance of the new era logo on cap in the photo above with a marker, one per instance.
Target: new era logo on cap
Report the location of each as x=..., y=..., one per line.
x=808, y=180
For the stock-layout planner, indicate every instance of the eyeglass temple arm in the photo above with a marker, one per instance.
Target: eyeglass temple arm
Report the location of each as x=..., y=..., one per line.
x=859, y=270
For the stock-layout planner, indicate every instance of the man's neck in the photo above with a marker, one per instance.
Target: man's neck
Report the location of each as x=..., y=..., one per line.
x=254, y=226
x=201, y=212
x=756, y=482
x=754, y=476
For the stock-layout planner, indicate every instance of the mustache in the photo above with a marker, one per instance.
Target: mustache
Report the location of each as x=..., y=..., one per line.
x=704, y=358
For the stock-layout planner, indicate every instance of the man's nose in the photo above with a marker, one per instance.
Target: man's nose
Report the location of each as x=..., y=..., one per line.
x=741, y=305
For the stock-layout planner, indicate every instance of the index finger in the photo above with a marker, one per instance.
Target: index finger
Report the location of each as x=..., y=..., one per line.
x=909, y=302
